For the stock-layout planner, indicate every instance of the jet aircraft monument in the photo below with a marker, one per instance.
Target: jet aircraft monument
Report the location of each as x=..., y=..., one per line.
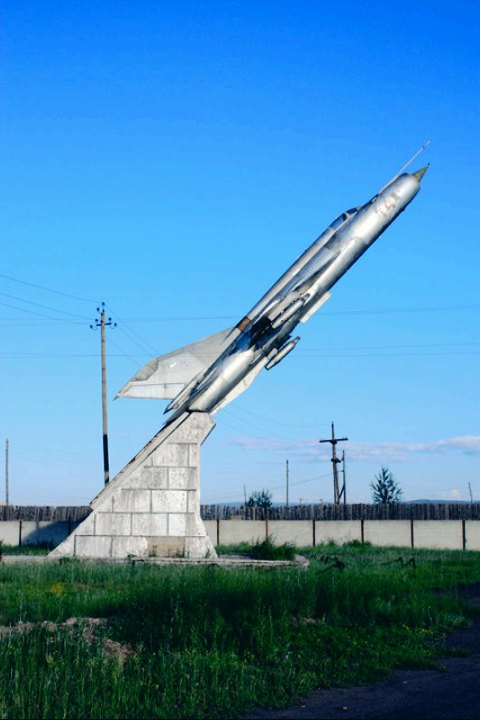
x=208, y=374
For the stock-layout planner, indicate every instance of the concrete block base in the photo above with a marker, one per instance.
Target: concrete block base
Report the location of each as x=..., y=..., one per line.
x=152, y=507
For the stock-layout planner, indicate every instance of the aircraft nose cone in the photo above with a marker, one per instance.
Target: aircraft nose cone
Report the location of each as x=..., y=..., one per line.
x=420, y=173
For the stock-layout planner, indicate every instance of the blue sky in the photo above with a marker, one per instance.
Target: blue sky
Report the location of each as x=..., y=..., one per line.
x=172, y=159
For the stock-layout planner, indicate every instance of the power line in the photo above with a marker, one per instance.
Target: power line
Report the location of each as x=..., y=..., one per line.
x=174, y=318
x=317, y=477
x=127, y=334
x=256, y=427
x=277, y=487
x=265, y=419
x=393, y=347
x=326, y=357
x=431, y=308
x=44, y=307
x=146, y=347
x=393, y=355
x=17, y=322
x=245, y=432
x=47, y=289
x=373, y=311
x=414, y=309
x=124, y=353
x=33, y=312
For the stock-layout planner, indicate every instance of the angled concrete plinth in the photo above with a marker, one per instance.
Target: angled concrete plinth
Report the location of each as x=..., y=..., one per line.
x=152, y=507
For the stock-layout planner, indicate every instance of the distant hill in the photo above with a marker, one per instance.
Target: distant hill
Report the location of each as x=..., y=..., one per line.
x=426, y=501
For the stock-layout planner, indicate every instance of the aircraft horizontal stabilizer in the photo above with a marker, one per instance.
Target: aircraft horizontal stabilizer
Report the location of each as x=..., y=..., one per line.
x=166, y=375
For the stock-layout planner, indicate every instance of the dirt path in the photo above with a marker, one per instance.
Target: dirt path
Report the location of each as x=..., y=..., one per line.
x=407, y=694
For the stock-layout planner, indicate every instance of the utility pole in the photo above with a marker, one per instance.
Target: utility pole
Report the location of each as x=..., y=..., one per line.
x=469, y=490
x=287, y=478
x=333, y=442
x=102, y=323
x=343, y=491
x=7, y=488
x=245, y=495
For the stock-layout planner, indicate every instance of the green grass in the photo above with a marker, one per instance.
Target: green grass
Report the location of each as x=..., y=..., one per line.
x=41, y=549
x=261, y=550
x=207, y=642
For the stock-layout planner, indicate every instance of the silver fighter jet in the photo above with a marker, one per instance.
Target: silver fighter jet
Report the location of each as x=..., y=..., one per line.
x=209, y=374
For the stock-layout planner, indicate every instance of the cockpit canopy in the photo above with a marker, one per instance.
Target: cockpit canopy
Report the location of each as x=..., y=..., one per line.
x=344, y=216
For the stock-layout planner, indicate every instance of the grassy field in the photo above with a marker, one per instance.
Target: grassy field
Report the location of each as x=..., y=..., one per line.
x=25, y=549
x=205, y=642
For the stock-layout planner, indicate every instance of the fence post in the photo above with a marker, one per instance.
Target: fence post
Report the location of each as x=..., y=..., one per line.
x=464, y=535
x=314, y=539
x=412, y=534
x=362, y=530
x=19, y=533
x=218, y=531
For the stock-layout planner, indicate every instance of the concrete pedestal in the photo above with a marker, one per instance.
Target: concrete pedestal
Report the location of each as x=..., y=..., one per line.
x=152, y=507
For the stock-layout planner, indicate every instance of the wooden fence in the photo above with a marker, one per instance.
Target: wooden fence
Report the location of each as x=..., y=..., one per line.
x=39, y=513
x=400, y=511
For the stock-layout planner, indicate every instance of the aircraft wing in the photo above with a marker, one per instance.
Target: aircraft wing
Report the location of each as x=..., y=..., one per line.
x=166, y=375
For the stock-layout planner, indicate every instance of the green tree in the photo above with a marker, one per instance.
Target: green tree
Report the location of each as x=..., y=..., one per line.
x=385, y=489
x=260, y=499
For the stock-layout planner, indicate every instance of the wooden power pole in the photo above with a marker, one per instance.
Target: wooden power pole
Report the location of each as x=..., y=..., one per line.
x=333, y=442
x=7, y=479
x=286, y=481
x=343, y=491
x=102, y=323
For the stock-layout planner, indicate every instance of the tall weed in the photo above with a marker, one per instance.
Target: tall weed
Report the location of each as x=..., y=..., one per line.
x=208, y=642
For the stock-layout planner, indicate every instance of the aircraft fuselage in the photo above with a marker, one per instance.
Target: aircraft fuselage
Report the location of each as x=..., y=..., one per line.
x=263, y=337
